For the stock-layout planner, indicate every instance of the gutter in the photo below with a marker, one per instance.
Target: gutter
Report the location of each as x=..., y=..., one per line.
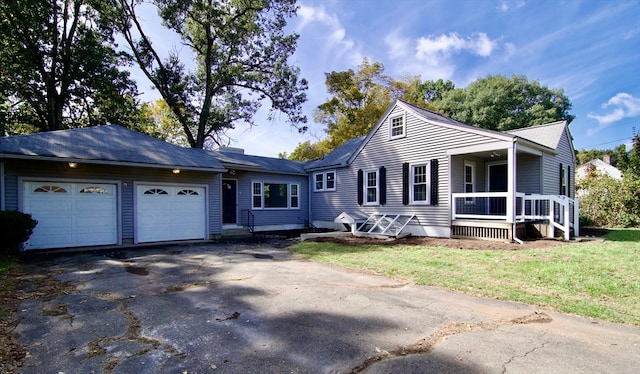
x=115, y=163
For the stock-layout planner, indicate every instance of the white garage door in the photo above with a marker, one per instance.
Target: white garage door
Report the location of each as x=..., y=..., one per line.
x=71, y=214
x=170, y=213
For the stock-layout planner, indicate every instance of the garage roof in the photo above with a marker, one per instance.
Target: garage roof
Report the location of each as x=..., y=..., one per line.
x=106, y=144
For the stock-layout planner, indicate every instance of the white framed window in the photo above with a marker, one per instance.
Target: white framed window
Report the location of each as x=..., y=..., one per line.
x=420, y=180
x=294, y=198
x=397, y=127
x=256, y=194
x=274, y=195
x=371, y=196
x=469, y=180
x=564, y=180
x=325, y=181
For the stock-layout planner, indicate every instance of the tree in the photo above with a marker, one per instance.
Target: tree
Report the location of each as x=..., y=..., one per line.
x=359, y=99
x=501, y=103
x=240, y=52
x=159, y=121
x=59, y=68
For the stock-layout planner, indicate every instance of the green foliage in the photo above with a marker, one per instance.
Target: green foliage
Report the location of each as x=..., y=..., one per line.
x=59, y=67
x=241, y=52
x=16, y=227
x=359, y=98
x=501, y=103
x=609, y=202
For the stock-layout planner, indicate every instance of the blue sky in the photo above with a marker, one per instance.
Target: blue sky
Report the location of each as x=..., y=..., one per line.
x=589, y=48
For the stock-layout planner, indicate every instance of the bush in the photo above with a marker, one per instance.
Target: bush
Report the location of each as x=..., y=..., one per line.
x=16, y=228
x=609, y=202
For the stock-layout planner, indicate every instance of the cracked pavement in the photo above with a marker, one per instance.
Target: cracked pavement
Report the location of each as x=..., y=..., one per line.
x=231, y=307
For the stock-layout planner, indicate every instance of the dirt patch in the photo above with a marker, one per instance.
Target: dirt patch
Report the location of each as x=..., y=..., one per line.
x=16, y=284
x=474, y=244
x=11, y=352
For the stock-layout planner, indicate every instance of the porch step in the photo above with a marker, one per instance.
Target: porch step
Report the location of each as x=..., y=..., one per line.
x=236, y=232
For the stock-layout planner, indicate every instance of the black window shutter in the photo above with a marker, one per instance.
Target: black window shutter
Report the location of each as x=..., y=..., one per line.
x=434, y=182
x=569, y=181
x=560, y=181
x=383, y=185
x=405, y=183
x=360, y=187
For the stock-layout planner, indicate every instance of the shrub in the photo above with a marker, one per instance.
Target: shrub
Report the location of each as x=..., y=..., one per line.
x=610, y=202
x=16, y=228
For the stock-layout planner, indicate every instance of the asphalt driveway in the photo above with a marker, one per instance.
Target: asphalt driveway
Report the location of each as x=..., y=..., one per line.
x=257, y=308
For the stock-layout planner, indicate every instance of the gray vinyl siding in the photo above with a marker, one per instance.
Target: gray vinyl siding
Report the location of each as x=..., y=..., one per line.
x=457, y=173
x=264, y=217
x=121, y=175
x=551, y=167
x=528, y=174
x=423, y=142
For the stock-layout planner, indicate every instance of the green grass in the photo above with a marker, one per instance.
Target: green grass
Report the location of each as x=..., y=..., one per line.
x=596, y=279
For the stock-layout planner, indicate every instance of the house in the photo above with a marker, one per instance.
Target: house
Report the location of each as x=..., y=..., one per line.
x=444, y=178
x=603, y=167
x=416, y=171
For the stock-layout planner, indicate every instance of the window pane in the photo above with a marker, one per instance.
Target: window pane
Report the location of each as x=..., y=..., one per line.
x=420, y=174
x=468, y=174
x=275, y=195
x=294, y=190
x=319, y=185
x=331, y=181
x=420, y=192
x=294, y=201
x=257, y=202
x=397, y=127
x=371, y=178
x=371, y=195
x=256, y=189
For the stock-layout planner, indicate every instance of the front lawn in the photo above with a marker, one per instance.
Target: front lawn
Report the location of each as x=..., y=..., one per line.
x=596, y=279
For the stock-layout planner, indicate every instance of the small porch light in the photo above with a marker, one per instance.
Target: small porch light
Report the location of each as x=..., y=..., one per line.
x=175, y=171
x=73, y=165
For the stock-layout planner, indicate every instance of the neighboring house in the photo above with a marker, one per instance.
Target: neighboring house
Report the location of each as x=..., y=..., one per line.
x=602, y=167
x=106, y=185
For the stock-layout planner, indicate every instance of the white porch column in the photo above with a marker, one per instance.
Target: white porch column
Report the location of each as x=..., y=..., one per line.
x=511, y=183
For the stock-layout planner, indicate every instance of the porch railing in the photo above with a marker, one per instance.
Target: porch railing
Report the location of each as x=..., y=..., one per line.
x=560, y=211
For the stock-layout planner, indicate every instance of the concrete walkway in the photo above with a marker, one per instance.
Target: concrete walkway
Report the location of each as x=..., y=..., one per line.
x=231, y=308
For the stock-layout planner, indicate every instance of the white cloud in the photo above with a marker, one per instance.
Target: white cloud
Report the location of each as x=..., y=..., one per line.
x=505, y=5
x=398, y=46
x=329, y=32
x=434, y=49
x=622, y=105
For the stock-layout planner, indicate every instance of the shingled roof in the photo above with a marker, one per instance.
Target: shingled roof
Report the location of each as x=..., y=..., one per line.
x=106, y=144
x=234, y=159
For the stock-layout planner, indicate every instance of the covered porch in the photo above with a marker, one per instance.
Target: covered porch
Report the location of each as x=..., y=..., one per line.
x=501, y=190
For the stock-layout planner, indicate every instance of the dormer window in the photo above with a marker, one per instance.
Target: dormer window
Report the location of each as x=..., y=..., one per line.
x=397, y=127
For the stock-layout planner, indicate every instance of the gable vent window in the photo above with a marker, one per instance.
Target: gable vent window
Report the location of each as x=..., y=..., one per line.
x=50, y=188
x=397, y=127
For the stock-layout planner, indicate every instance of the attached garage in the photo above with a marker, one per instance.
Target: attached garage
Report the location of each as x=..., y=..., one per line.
x=71, y=214
x=165, y=212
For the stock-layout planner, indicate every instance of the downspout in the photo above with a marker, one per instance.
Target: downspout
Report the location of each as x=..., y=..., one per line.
x=514, y=186
x=2, y=187
x=309, y=193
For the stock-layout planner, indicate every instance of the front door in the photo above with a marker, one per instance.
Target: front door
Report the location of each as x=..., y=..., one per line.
x=229, y=202
x=497, y=183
